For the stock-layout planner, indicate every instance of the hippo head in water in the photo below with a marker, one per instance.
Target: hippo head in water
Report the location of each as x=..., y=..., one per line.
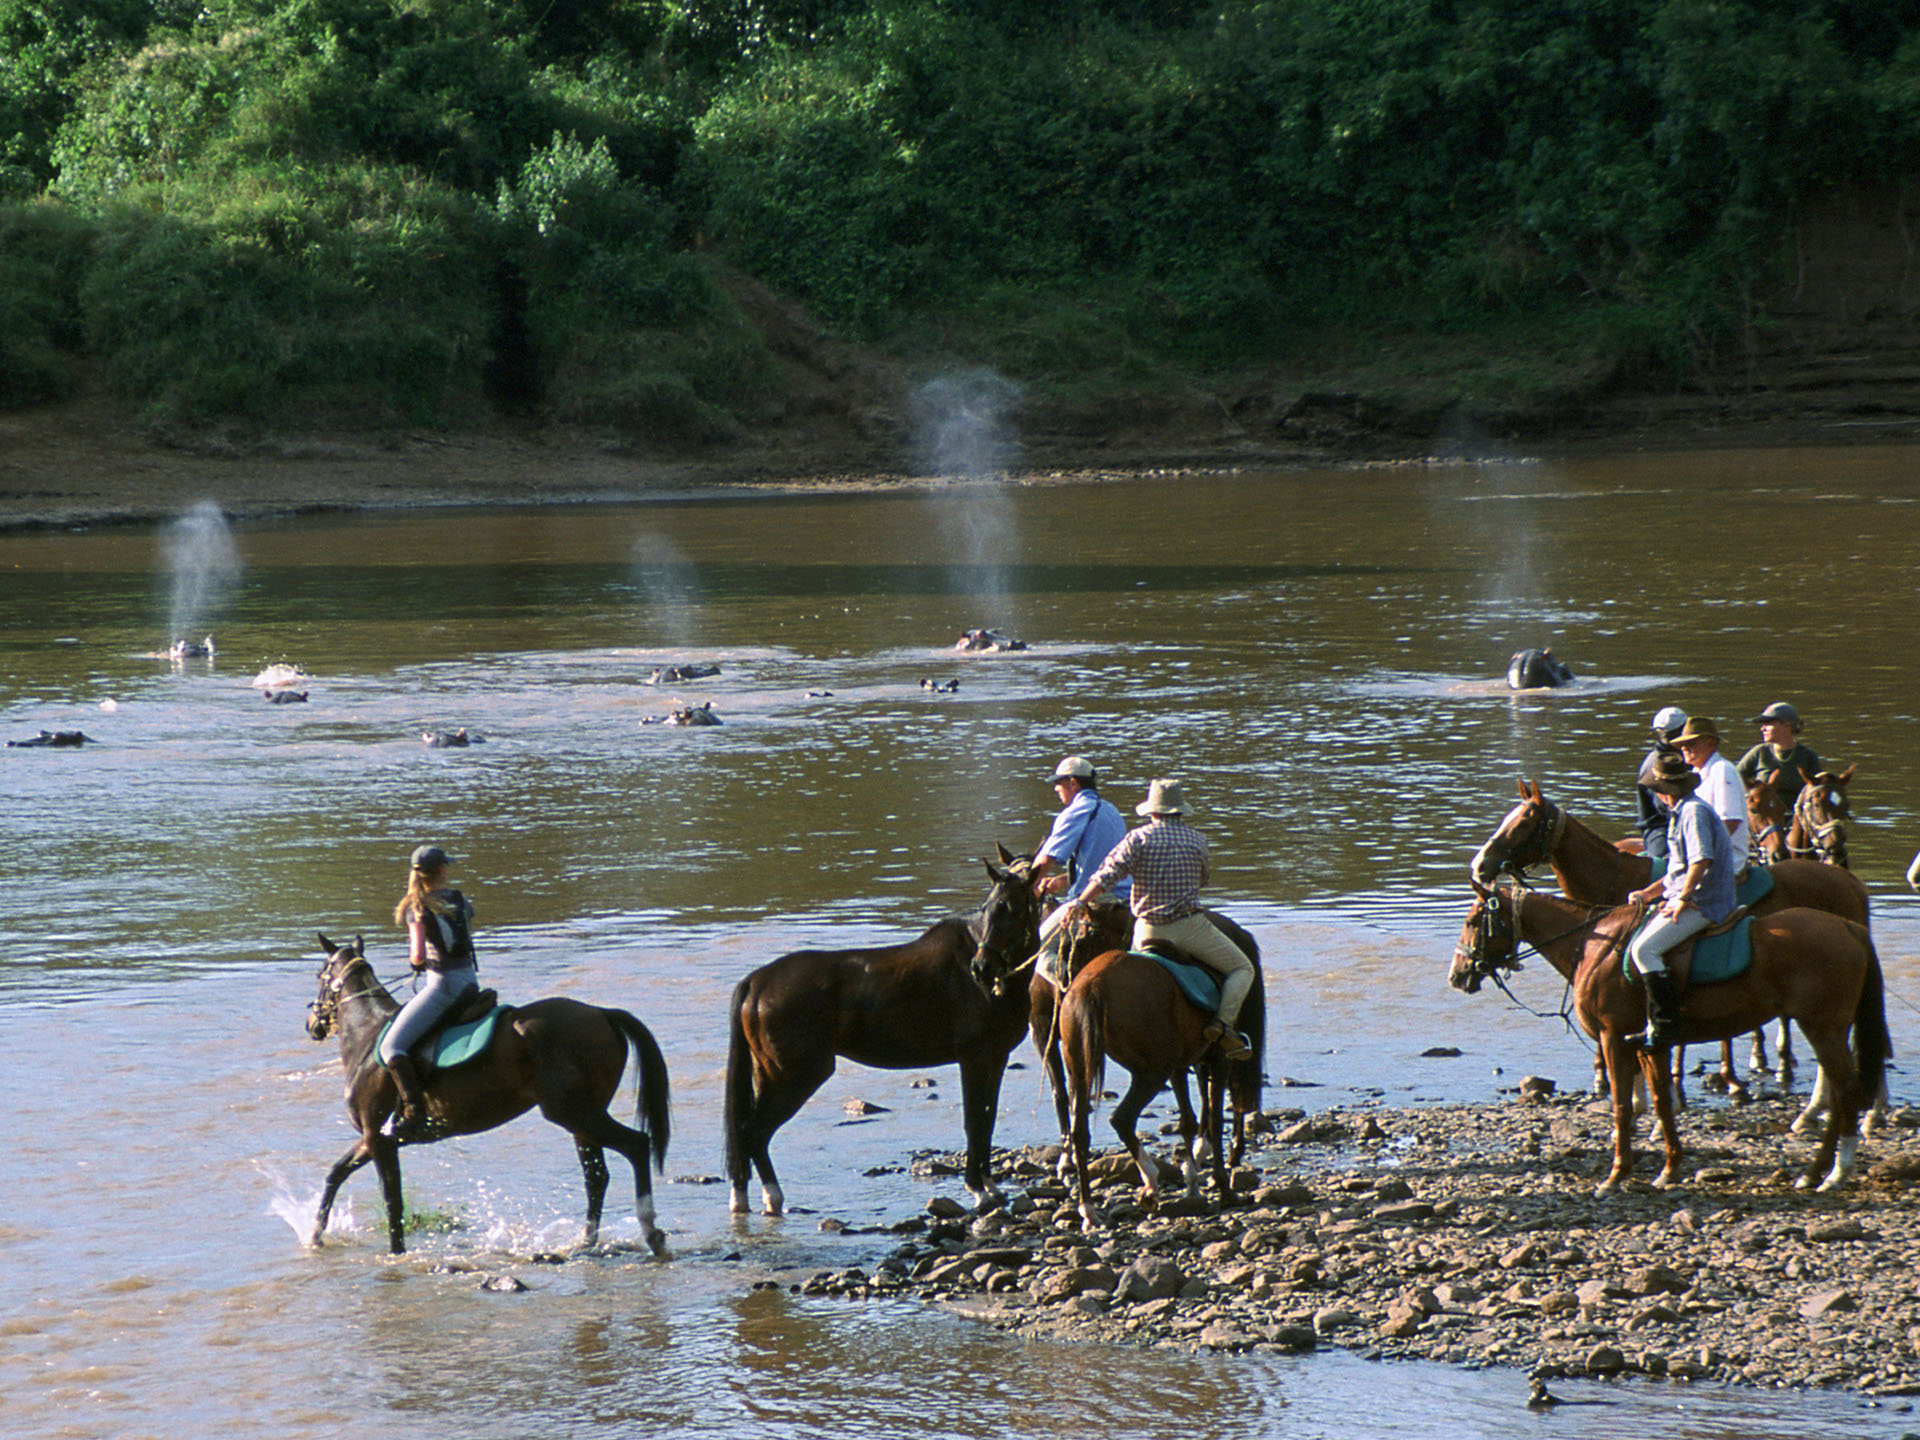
x=1536, y=669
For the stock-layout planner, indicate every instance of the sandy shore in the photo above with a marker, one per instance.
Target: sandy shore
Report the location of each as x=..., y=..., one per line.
x=1468, y=1234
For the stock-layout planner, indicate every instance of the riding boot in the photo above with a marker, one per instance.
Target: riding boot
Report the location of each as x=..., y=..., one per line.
x=1663, y=1012
x=1233, y=1045
x=412, y=1123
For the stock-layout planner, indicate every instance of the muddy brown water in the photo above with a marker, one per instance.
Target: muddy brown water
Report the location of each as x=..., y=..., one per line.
x=1318, y=656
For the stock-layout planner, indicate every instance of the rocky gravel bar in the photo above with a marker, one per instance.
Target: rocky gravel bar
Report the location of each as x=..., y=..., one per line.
x=1468, y=1234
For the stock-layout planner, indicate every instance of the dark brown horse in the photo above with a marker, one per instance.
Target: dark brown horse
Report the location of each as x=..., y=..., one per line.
x=1126, y=1007
x=1820, y=816
x=559, y=1054
x=1808, y=965
x=1595, y=872
x=958, y=994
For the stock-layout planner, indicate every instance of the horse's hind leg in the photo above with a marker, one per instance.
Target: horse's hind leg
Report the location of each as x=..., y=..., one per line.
x=592, y=1135
x=336, y=1177
x=1840, y=1141
x=593, y=1166
x=1126, y=1115
x=1192, y=1134
x=778, y=1099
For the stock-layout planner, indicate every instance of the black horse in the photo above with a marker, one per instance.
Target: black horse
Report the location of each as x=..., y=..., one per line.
x=559, y=1054
x=897, y=1007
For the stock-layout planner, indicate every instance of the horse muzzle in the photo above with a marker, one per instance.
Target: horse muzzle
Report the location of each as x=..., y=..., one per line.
x=319, y=1023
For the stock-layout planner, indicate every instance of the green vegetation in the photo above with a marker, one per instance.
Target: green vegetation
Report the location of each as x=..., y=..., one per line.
x=426, y=211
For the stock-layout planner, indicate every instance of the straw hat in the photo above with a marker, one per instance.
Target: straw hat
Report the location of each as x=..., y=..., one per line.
x=1164, y=797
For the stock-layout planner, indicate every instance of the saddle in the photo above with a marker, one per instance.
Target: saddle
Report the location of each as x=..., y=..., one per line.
x=1720, y=952
x=460, y=1035
x=1199, y=984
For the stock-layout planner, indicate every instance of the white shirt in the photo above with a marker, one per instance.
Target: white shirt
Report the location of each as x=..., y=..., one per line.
x=1722, y=788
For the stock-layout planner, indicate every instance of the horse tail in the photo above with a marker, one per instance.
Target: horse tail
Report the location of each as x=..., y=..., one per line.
x=1872, y=1045
x=1090, y=1005
x=1246, y=1077
x=652, y=1106
x=737, y=1111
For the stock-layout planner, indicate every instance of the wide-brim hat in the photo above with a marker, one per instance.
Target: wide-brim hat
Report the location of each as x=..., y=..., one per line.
x=429, y=858
x=1698, y=728
x=1668, y=774
x=1072, y=768
x=1779, y=710
x=1164, y=797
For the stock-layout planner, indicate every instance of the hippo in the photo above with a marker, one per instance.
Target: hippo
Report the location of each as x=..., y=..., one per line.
x=286, y=697
x=686, y=715
x=449, y=739
x=941, y=687
x=1536, y=669
x=191, y=650
x=988, y=641
x=52, y=739
x=674, y=674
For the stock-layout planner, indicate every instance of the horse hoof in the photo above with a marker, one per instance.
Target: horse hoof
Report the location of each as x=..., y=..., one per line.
x=657, y=1243
x=737, y=1204
x=1611, y=1187
x=1805, y=1182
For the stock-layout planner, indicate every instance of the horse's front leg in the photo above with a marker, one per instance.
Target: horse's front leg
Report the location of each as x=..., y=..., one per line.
x=1192, y=1136
x=1621, y=1069
x=1653, y=1066
x=980, y=1101
x=336, y=1177
x=386, y=1162
x=1729, y=1077
x=1043, y=1023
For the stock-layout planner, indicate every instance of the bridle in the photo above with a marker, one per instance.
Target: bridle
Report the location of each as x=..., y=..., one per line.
x=993, y=967
x=1826, y=838
x=1543, y=836
x=1495, y=951
x=323, y=1014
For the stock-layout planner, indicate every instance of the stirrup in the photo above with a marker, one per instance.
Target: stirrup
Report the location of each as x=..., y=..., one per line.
x=1233, y=1045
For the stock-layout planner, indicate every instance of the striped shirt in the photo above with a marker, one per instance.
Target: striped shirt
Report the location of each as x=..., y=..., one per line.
x=1167, y=859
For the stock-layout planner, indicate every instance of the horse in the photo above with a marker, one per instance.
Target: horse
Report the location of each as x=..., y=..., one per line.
x=930, y=1001
x=1820, y=815
x=1108, y=927
x=559, y=1054
x=1808, y=965
x=1126, y=1007
x=1768, y=816
x=1595, y=872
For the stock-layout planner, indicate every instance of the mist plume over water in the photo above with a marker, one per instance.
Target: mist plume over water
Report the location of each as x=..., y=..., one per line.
x=203, y=565
x=670, y=584
x=963, y=431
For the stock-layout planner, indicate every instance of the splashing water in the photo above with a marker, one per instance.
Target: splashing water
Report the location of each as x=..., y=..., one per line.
x=671, y=584
x=299, y=1214
x=204, y=564
x=963, y=431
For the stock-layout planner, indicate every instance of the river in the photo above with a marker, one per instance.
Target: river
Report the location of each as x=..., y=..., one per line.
x=1318, y=656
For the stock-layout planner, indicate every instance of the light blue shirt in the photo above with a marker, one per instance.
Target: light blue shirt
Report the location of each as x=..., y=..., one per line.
x=1695, y=832
x=1086, y=828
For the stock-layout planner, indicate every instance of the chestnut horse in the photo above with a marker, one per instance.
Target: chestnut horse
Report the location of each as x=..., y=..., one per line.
x=1126, y=1007
x=1109, y=927
x=1595, y=872
x=931, y=1001
x=559, y=1054
x=1810, y=966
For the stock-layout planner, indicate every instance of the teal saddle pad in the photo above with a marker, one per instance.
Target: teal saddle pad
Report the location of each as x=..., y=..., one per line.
x=455, y=1045
x=1755, y=888
x=1196, y=982
x=1715, y=958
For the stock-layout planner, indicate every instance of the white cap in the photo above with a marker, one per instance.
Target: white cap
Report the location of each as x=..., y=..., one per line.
x=1073, y=768
x=1669, y=721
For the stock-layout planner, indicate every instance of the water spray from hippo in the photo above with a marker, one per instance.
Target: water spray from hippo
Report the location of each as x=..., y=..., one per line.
x=963, y=432
x=203, y=566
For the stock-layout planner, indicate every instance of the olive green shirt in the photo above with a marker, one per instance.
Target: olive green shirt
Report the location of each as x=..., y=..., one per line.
x=1785, y=773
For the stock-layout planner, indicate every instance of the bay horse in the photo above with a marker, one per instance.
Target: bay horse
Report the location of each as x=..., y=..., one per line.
x=930, y=1001
x=1810, y=966
x=1813, y=827
x=1594, y=871
x=561, y=1055
x=1124, y=1006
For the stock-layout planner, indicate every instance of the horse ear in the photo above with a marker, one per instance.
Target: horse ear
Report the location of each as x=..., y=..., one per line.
x=360, y=946
x=1481, y=890
x=1007, y=857
x=998, y=877
x=1845, y=775
x=326, y=944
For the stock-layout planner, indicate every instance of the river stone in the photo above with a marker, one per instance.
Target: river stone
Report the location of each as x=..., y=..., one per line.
x=1848, y=1229
x=1151, y=1277
x=1223, y=1335
x=1294, y=1339
x=1392, y=1188
x=1657, y=1280
x=1403, y=1212
x=1604, y=1360
x=945, y=1207
x=1334, y=1317
x=1828, y=1302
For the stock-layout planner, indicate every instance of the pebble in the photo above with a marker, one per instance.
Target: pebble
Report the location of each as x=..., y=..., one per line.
x=1481, y=1254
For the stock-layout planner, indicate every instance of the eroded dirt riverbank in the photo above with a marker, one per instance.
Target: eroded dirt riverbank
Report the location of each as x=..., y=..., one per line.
x=1467, y=1234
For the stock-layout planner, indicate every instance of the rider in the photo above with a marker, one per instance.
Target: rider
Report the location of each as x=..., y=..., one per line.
x=1652, y=814
x=1696, y=891
x=1780, y=758
x=1084, y=832
x=1167, y=861
x=1720, y=787
x=440, y=949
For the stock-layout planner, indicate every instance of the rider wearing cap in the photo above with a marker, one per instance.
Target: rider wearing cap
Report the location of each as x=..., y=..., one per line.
x=439, y=925
x=1720, y=787
x=1780, y=758
x=1695, y=892
x=1167, y=861
x=1652, y=815
x=1083, y=833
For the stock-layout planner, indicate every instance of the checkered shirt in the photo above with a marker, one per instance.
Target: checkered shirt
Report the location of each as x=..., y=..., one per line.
x=1167, y=859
